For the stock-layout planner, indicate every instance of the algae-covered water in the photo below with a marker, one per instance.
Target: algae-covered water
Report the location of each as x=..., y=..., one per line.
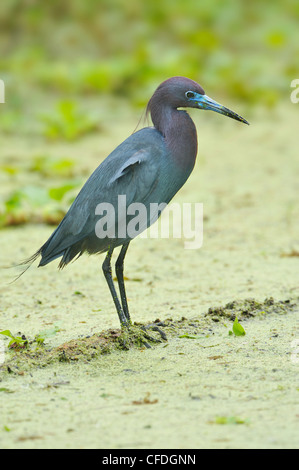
x=204, y=387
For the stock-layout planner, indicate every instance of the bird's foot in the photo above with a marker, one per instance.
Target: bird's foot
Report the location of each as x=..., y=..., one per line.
x=138, y=335
x=154, y=327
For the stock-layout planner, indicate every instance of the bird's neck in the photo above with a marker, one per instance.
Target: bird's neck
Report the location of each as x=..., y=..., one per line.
x=180, y=136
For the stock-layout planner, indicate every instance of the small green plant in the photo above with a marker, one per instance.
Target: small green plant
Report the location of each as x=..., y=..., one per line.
x=20, y=342
x=52, y=166
x=238, y=329
x=16, y=342
x=68, y=123
x=37, y=204
x=43, y=335
x=229, y=420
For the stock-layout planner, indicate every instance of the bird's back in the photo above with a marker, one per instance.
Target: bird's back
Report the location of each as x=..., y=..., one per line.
x=140, y=170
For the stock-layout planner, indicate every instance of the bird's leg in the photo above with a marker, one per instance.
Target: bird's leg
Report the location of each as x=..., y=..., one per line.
x=119, y=269
x=123, y=312
x=108, y=276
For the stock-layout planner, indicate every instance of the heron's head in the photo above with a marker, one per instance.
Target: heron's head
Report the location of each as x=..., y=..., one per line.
x=181, y=92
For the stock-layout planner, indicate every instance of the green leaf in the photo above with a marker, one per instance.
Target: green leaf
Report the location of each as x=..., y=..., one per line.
x=230, y=420
x=68, y=123
x=52, y=166
x=187, y=336
x=6, y=333
x=237, y=328
x=6, y=390
x=34, y=196
x=58, y=192
x=18, y=340
x=40, y=338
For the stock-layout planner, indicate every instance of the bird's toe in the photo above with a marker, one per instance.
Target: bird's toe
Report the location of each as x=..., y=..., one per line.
x=138, y=335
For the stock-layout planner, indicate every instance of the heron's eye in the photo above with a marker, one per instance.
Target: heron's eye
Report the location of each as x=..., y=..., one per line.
x=189, y=94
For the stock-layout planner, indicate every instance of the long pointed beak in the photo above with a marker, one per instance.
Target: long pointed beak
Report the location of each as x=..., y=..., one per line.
x=205, y=102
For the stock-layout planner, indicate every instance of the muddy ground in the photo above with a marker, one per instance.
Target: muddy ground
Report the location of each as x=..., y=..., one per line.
x=204, y=388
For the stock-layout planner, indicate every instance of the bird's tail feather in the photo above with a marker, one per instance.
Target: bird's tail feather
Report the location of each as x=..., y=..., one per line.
x=27, y=263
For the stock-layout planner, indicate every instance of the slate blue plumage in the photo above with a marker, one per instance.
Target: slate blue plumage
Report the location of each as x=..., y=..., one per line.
x=149, y=166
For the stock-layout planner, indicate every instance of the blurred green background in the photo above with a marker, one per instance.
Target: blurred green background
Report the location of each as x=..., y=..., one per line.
x=69, y=66
x=247, y=49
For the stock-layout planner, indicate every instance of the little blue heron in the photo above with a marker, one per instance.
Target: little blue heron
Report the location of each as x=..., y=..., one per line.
x=150, y=166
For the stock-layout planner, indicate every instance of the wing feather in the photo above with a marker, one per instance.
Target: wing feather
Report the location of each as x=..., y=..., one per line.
x=132, y=170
